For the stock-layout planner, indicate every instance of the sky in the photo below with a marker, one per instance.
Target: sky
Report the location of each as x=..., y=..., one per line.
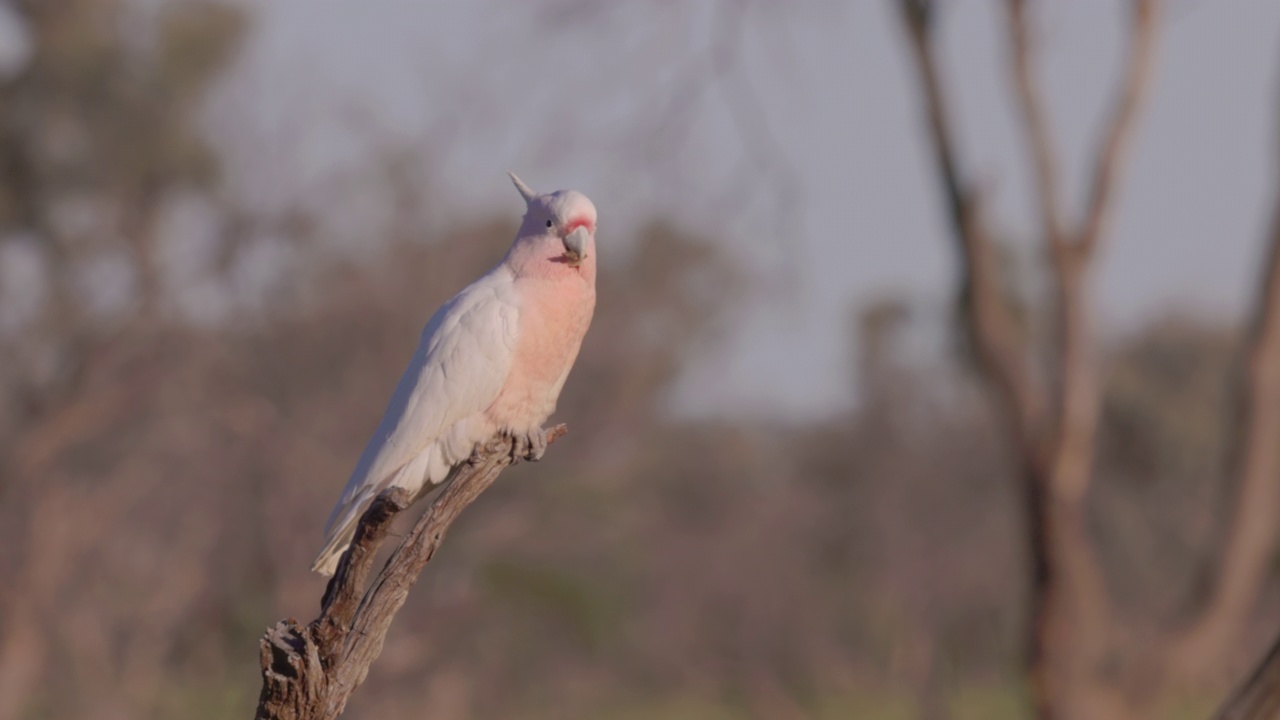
x=795, y=136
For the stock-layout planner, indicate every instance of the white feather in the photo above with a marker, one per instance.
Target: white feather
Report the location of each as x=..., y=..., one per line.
x=436, y=416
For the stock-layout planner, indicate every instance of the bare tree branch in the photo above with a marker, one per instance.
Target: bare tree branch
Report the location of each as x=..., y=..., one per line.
x=1115, y=151
x=309, y=672
x=1036, y=122
x=763, y=154
x=994, y=329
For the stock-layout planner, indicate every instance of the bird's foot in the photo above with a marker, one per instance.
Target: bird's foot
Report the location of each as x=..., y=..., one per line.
x=529, y=446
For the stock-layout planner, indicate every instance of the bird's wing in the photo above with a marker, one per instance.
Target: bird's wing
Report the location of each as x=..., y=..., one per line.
x=460, y=366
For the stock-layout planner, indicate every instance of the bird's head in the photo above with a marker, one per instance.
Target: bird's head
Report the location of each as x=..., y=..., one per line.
x=564, y=221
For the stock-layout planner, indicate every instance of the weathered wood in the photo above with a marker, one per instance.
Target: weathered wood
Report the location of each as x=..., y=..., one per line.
x=310, y=671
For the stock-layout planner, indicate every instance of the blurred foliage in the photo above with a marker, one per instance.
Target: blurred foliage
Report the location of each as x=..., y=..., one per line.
x=99, y=130
x=569, y=608
x=1162, y=489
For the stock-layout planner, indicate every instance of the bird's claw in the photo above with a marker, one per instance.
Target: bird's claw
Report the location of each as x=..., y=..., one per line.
x=530, y=446
x=537, y=445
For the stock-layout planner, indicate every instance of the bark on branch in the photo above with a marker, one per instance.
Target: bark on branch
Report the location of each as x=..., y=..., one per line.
x=310, y=671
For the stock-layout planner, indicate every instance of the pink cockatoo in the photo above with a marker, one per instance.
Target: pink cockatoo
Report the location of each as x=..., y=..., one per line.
x=491, y=361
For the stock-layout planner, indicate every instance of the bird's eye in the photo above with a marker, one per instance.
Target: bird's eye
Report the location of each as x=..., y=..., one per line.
x=550, y=224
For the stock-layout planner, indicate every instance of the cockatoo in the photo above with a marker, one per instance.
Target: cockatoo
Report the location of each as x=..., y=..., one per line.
x=491, y=361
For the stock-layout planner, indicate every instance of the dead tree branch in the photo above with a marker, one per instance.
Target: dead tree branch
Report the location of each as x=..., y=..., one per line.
x=1114, y=152
x=1036, y=123
x=309, y=672
x=1114, y=149
x=994, y=329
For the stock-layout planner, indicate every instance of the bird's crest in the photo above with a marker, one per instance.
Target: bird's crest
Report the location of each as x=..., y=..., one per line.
x=525, y=191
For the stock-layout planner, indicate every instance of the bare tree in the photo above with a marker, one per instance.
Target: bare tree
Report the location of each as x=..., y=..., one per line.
x=1052, y=410
x=309, y=673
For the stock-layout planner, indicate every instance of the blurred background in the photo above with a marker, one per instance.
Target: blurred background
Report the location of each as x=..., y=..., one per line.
x=791, y=489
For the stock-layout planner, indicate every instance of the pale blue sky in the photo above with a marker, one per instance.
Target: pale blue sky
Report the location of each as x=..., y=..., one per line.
x=568, y=101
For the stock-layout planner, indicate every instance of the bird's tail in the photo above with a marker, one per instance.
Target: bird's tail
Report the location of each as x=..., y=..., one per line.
x=339, y=535
x=342, y=526
x=326, y=563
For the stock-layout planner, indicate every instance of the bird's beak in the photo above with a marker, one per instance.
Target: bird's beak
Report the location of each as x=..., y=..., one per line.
x=575, y=246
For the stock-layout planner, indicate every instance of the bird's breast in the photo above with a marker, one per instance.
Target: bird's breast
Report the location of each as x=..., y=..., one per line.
x=554, y=316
